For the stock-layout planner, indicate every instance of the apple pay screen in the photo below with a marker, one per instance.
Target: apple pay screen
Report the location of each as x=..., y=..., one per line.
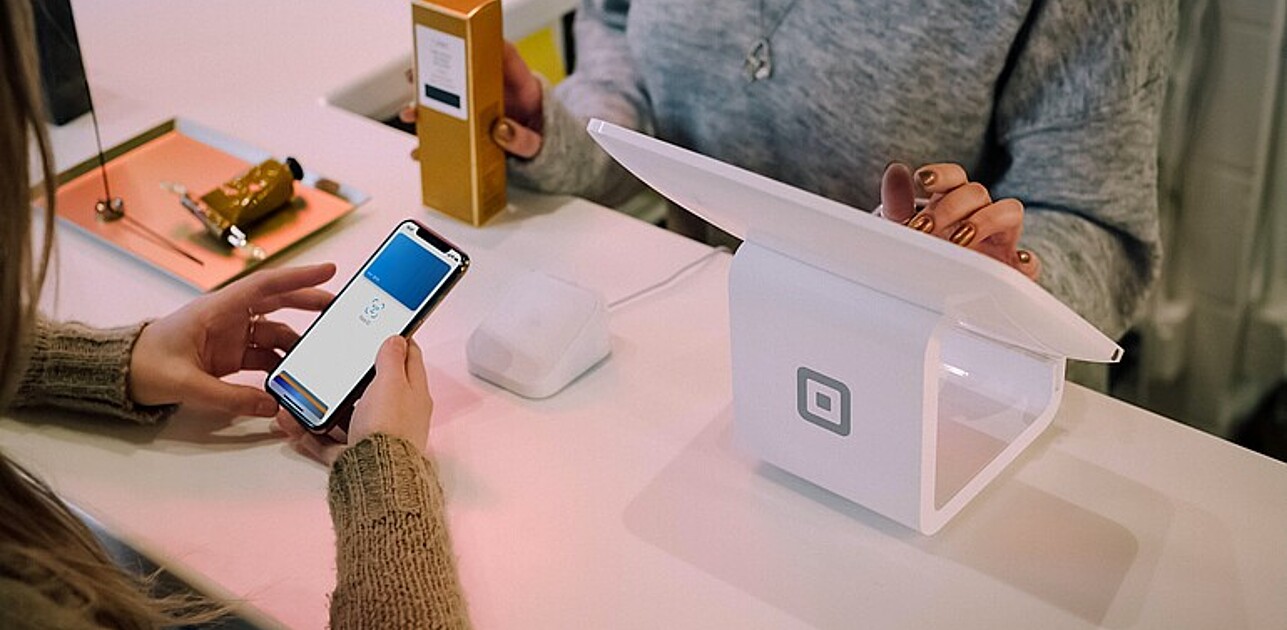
x=341, y=346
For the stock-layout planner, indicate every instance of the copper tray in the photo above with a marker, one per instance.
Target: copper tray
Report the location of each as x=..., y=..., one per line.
x=182, y=151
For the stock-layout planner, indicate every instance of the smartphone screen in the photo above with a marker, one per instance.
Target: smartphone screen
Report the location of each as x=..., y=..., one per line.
x=392, y=293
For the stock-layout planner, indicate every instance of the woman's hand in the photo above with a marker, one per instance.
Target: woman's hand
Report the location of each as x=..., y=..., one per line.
x=959, y=211
x=181, y=357
x=519, y=131
x=396, y=403
x=523, y=105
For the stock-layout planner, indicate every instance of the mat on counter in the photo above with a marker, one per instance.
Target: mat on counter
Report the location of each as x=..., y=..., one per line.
x=199, y=158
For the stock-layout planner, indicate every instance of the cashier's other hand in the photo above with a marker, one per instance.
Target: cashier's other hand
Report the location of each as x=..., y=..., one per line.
x=182, y=357
x=519, y=131
x=959, y=211
x=396, y=403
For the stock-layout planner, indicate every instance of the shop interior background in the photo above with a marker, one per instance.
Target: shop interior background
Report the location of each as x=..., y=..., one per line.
x=1211, y=351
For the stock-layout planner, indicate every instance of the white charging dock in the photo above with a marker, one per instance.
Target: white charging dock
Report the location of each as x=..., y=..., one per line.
x=544, y=333
x=888, y=366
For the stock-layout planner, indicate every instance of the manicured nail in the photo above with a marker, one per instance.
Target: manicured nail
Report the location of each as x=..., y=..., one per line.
x=504, y=133
x=963, y=235
x=1024, y=256
x=926, y=178
x=922, y=222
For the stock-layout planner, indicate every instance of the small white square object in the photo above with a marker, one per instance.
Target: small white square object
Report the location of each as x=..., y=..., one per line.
x=540, y=337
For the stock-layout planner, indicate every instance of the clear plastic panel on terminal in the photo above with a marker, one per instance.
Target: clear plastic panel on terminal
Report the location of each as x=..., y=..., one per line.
x=985, y=402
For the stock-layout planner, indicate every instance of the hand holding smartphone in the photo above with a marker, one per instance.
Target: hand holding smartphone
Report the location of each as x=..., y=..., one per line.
x=324, y=374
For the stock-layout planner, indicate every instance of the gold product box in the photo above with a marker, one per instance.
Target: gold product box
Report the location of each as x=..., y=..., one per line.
x=460, y=95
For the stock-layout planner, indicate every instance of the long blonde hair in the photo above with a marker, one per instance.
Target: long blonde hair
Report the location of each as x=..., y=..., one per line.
x=21, y=118
x=41, y=542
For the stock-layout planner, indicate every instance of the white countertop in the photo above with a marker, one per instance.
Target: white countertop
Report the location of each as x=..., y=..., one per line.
x=622, y=501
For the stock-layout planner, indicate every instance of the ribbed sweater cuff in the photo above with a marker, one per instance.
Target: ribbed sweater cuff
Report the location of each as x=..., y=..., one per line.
x=378, y=476
x=394, y=562
x=74, y=366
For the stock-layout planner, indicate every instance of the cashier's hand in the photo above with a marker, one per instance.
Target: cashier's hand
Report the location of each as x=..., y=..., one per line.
x=182, y=357
x=396, y=403
x=519, y=131
x=959, y=211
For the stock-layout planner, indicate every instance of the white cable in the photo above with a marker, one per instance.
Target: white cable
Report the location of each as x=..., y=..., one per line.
x=669, y=279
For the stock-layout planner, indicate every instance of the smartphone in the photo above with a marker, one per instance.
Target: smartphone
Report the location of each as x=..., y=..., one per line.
x=323, y=375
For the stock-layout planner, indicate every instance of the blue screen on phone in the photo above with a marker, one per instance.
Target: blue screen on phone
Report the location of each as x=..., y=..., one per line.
x=341, y=346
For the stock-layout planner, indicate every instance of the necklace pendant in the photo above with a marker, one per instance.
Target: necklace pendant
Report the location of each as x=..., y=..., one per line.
x=759, y=62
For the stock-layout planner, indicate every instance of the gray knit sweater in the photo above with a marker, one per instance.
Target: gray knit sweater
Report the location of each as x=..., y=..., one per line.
x=1054, y=102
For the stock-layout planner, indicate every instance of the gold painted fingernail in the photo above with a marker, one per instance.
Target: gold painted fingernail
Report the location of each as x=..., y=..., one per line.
x=963, y=235
x=1024, y=256
x=926, y=178
x=922, y=222
x=503, y=134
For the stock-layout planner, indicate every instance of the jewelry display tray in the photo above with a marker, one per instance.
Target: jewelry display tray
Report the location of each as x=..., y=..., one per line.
x=200, y=158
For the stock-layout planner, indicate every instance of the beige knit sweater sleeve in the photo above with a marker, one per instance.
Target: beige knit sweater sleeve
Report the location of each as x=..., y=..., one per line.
x=394, y=561
x=73, y=366
x=395, y=565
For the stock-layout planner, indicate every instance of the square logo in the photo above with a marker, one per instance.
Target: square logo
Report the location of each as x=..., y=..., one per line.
x=823, y=401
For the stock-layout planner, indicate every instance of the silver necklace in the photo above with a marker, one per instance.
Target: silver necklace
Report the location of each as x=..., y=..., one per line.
x=758, y=64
